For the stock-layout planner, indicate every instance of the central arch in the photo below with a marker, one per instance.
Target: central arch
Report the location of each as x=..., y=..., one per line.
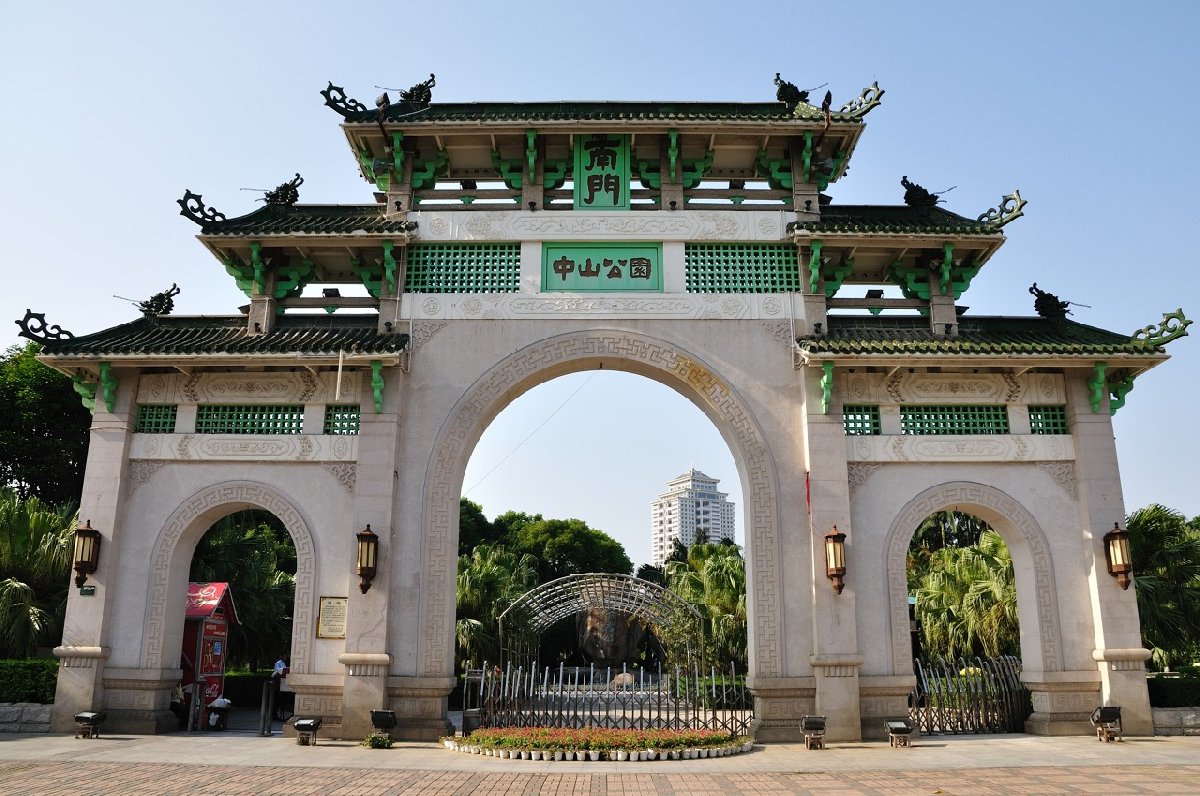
x=664, y=362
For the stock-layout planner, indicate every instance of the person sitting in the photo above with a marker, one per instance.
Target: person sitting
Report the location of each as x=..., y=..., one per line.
x=217, y=710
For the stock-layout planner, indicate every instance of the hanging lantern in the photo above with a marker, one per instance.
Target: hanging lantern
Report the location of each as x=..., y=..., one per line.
x=1116, y=554
x=87, y=553
x=368, y=550
x=835, y=558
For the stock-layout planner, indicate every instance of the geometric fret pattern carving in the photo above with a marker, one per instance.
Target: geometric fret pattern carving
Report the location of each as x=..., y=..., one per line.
x=1063, y=474
x=1023, y=536
x=233, y=495
x=685, y=374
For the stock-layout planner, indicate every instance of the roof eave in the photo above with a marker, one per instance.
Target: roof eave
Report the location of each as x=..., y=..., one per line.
x=72, y=363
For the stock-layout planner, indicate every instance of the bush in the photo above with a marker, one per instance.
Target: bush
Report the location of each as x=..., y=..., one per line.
x=377, y=740
x=1174, y=692
x=30, y=680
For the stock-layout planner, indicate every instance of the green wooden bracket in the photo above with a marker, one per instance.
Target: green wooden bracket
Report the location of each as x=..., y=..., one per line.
x=673, y=150
x=650, y=174
x=260, y=267
x=510, y=171
x=290, y=281
x=1097, y=385
x=466, y=199
x=1118, y=390
x=694, y=170
x=377, y=383
x=398, y=153
x=389, y=266
x=382, y=180
x=372, y=278
x=824, y=180
x=86, y=391
x=778, y=173
x=837, y=275
x=531, y=150
x=963, y=276
x=814, y=265
x=108, y=385
x=911, y=281
x=806, y=156
x=826, y=386
x=426, y=172
x=554, y=173
x=243, y=275
x=946, y=265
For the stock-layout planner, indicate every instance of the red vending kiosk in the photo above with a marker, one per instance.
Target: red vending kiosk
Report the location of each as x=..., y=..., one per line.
x=210, y=612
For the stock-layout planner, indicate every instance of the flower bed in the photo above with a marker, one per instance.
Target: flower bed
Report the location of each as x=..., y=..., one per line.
x=554, y=743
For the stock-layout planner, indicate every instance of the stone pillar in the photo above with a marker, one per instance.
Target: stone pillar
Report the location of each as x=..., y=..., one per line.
x=420, y=705
x=365, y=690
x=779, y=702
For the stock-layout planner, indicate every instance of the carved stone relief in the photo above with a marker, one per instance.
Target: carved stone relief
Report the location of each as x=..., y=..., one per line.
x=238, y=447
x=981, y=448
x=900, y=386
x=299, y=387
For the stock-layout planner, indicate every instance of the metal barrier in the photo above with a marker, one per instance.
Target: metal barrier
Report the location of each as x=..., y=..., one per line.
x=980, y=696
x=579, y=697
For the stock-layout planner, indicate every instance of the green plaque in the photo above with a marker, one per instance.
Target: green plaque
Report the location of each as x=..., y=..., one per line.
x=593, y=267
x=602, y=172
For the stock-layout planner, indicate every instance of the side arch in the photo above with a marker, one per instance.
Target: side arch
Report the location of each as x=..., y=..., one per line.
x=556, y=356
x=189, y=522
x=1032, y=565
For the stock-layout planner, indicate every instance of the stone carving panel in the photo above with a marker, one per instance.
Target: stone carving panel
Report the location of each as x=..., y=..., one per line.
x=681, y=225
x=239, y=447
x=951, y=388
x=1063, y=474
x=480, y=402
x=182, y=521
x=989, y=448
x=964, y=495
x=299, y=387
x=140, y=472
x=345, y=473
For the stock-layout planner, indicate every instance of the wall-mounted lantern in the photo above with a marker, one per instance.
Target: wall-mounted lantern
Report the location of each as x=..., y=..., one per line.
x=1116, y=554
x=87, y=553
x=835, y=558
x=368, y=550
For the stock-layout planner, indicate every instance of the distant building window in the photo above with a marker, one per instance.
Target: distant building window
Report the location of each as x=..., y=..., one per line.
x=1048, y=420
x=861, y=419
x=249, y=419
x=155, y=419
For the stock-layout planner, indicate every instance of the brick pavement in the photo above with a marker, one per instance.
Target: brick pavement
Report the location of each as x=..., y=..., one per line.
x=54, y=777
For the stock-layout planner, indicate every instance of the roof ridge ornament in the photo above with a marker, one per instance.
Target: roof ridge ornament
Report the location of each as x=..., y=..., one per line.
x=1172, y=326
x=286, y=194
x=862, y=105
x=191, y=207
x=918, y=195
x=33, y=327
x=335, y=97
x=1011, y=208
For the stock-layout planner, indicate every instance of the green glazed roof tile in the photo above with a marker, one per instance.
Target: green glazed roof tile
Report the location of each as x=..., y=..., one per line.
x=524, y=112
x=183, y=335
x=896, y=219
x=980, y=336
x=310, y=220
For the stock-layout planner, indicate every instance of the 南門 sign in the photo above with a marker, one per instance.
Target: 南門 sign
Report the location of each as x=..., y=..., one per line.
x=588, y=267
x=602, y=172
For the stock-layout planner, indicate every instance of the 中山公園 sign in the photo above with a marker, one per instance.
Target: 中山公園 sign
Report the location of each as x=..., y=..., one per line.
x=589, y=267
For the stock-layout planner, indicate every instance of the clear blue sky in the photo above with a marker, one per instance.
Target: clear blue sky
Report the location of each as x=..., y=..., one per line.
x=112, y=110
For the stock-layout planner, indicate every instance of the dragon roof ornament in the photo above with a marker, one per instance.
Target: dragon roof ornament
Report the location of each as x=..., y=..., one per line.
x=1011, y=208
x=335, y=97
x=1172, y=326
x=191, y=207
x=862, y=105
x=33, y=327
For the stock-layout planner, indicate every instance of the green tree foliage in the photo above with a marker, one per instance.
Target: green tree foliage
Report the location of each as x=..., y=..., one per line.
x=713, y=579
x=473, y=527
x=937, y=531
x=507, y=525
x=967, y=601
x=43, y=429
x=251, y=551
x=36, y=544
x=570, y=547
x=1165, y=549
x=489, y=579
x=651, y=573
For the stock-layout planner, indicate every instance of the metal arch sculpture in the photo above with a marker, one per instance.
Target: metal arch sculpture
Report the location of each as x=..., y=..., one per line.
x=542, y=606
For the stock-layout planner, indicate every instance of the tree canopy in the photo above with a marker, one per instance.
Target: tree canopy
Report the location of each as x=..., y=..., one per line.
x=1165, y=548
x=43, y=429
x=35, y=572
x=570, y=547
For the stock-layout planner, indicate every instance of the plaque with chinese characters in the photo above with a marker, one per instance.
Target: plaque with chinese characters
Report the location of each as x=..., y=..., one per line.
x=602, y=172
x=590, y=267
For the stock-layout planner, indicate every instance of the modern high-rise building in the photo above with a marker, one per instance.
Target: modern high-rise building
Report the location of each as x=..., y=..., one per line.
x=691, y=507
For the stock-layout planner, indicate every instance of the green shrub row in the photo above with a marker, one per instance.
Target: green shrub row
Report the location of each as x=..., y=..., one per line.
x=30, y=680
x=1174, y=692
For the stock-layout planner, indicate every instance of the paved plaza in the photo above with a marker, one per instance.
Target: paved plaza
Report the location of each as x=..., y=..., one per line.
x=239, y=762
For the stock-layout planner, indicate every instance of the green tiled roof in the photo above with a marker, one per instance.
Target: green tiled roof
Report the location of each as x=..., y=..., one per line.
x=182, y=335
x=982, y=336
x=532, y=112
x=310, y=220
x=898, y=219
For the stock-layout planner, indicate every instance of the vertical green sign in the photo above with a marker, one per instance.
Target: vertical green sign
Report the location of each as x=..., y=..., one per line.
x=591, y=267
x=602, y=172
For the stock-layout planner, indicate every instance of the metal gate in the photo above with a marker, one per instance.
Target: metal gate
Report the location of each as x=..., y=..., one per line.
x=681, y=699
x=983, y=696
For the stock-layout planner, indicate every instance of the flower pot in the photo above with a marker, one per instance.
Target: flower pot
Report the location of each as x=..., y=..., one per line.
x=536, y=754
x=622, y=754
x=593, y=754
x=747, y=746
x=674, y=754
x=524, y=753
x=558, y=754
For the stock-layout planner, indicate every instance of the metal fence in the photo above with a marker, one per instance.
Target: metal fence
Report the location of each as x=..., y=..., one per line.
x=979, y=696
x=590, y=697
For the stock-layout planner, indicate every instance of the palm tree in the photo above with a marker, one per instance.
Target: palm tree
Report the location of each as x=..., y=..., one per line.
x=1165, y=549
x=967, y=601
x=713, y=579
x=489, y=580
x=35, y=559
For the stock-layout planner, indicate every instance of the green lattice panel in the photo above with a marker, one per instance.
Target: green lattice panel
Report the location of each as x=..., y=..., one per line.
x=742, y=268
x=342, y=419
x=861, y=419
x=249, y=419
x=954, y=419
x=155, y=419
x=464, y=268
x=1050, y=419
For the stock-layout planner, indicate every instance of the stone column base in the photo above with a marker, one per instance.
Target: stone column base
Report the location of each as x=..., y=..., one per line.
x=365, y=690
x=883, y=699
x=838, y=694
x=779, y=702
x=1062, y=702
x=137, y=701
x=420, y=705
x=79, y=686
